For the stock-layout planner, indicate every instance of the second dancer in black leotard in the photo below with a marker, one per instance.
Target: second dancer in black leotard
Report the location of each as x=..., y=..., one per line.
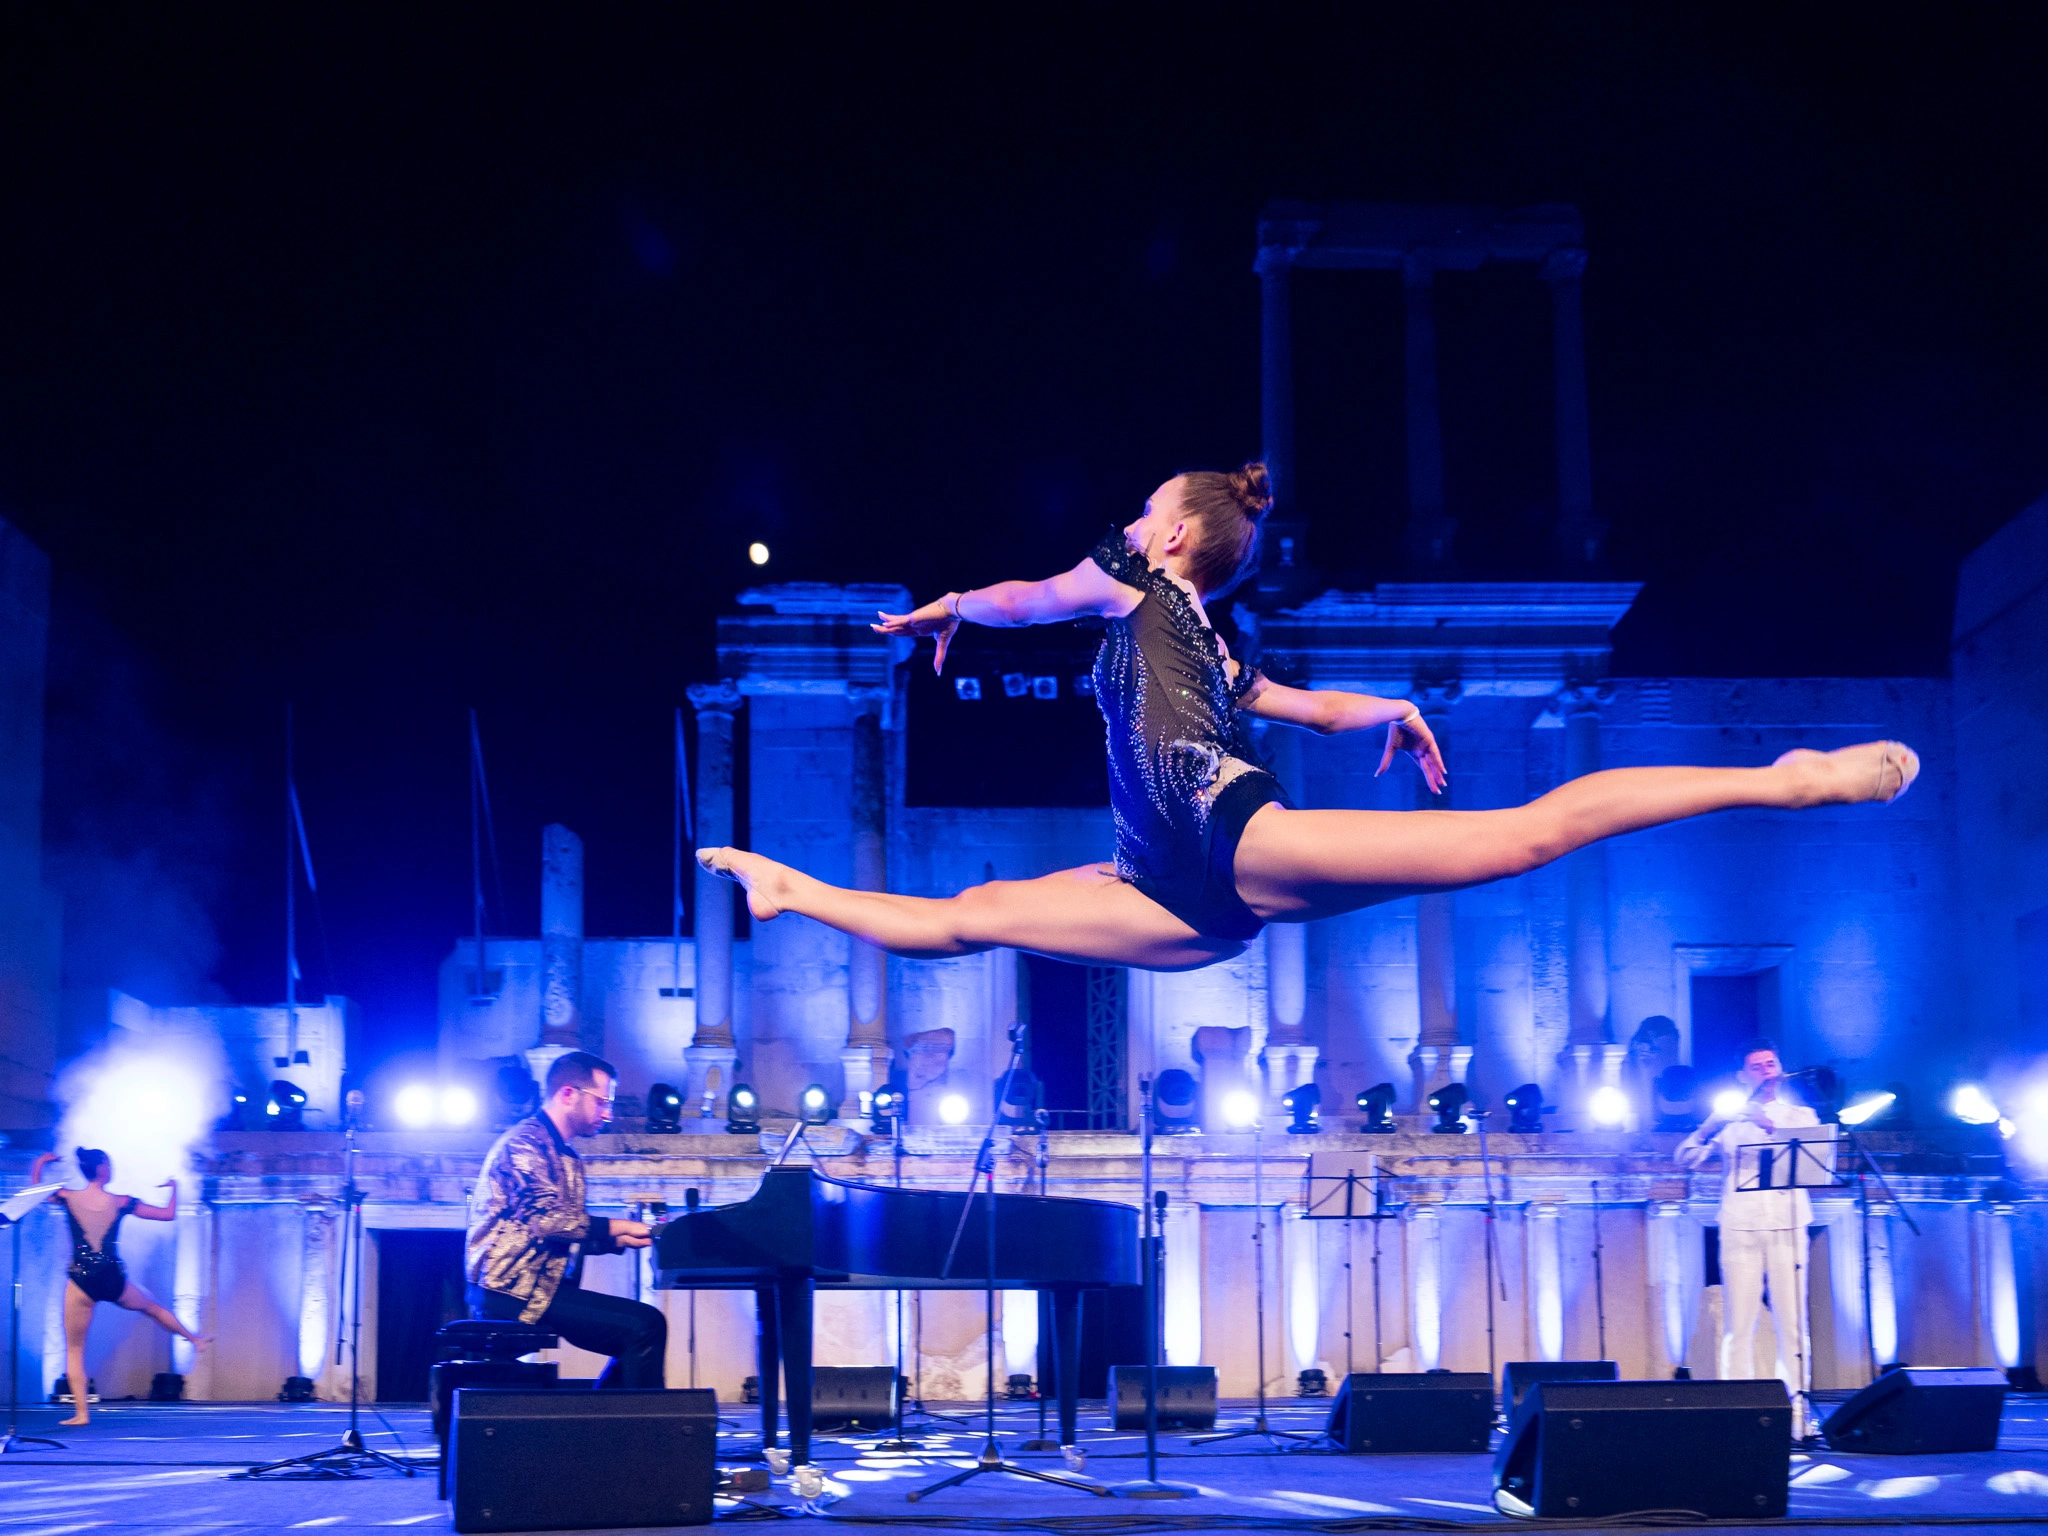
x=96, y=1273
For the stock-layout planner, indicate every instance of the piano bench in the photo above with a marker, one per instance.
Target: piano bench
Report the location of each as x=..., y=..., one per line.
x=488, y=1339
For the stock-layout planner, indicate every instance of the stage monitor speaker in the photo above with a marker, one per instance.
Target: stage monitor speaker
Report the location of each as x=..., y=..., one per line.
x=1433, y=1411
x=1921, y=1410
x=1187, y=1396
x=853, y=1396
x=578, y=1461
x=1521, y=1375
x=1586, y=1450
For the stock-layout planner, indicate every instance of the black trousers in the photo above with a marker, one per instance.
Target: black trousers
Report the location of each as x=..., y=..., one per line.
x=634, y=1334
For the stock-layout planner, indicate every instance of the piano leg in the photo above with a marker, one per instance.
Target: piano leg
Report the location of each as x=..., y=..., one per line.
x=768, y=1357
x=795, y=1294
x=1066, y=1353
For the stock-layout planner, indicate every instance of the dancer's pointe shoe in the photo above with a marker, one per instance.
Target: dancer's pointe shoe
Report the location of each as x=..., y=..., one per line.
x=1871, y=770
x=746, y=870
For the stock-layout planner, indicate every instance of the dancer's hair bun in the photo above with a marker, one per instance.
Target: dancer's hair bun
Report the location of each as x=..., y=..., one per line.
x=1254, y=489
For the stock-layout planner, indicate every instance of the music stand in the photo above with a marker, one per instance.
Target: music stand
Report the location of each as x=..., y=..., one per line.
x=1316, y=1207
x=1796, y=1163
x=12, y=1211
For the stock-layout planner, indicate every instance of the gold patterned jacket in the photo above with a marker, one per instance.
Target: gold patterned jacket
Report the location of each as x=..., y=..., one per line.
x=527, y=1225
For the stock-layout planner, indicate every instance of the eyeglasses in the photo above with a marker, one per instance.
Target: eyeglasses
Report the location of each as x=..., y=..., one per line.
x=606, y=1099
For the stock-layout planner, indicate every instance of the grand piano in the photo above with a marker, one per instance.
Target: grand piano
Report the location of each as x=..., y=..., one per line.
x=803, y=1232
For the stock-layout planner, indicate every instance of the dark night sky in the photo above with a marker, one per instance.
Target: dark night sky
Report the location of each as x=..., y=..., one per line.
x=393, y=367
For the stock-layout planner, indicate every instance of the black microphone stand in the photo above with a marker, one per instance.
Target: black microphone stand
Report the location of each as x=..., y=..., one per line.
x=1046, y=1323
x=991, y=1459
x=898, y=1441
x=352, y=1456
x=14, y=1439
x=1150, y=1487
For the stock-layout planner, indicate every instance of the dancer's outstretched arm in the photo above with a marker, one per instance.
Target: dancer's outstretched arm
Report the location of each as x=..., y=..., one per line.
x=1087, y=591
x=1331, y=712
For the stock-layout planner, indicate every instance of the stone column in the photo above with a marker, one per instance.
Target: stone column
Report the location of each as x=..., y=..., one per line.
x=2001, y=1291
x=1884, y=1304
x=1276, y=375
x=1546, y=1280
x=928, y=1061
x=317, y=1318
x=561, y=952
x=191, y=1295
x=1667, y=1281
x=1438, y=1058
x=865, y=1057
x=1591, y=1059
x=1290, y=1057
x=1427, y=1304
x=1430, y=531
x=1580, y=536
x=711, y=1049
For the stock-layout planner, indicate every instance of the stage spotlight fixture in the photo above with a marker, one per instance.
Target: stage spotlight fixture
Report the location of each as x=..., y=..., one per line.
x=814, y=1105
x=967, y=689
x=1448, y=1104
x=1820, y=1090
x=414, y=1106
x=296, y=1389
x=1240, y=1110
x=1608, y=1107
x=742, y=1111
x=1377, y=1105
x=1868, y=1107
x=458, y=1105
x=1015, y=685
x=664, y=1109
x=1019, y=1388
x=239, y=1115
x=1311, y=1383
x=885, y=1108
x=1973, y=1106
x=287, y=1106
x=1019, y=1103
x=953, y=1109
x=1729, y=1102
x=1673, y=1093
x=758, y=553
x=514, y=1094
x=1303, y=1107
x=1525, y=1109
x=1174, y=1094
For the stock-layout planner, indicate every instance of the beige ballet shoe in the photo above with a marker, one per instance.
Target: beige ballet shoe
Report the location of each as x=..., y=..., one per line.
x=725, y=863
x=1898, y=768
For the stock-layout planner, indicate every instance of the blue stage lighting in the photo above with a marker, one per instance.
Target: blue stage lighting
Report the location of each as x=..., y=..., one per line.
x=1174, y=1093
x=814, y=1105
x=888, y=1105
x=1377, y=1105
x=1303, y=1107
x=664, y=1109
x=742, y=1111
x=287, y=1107
x=968, y=688
x=1448, y=1105
x=1525, y=1109
x=1020, y=1103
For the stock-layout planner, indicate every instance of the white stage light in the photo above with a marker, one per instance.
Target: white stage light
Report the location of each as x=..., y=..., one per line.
x=458, y=1106
x=953, y=1109
x=414, y=1105
x=1865, y=1107
x=1240, y=1109
x=1972, y=1105
x=1609, y=1106
x=1728, y=1103
x=758, y=553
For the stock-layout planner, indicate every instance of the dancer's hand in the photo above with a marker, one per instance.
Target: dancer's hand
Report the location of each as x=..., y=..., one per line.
x=1412, y=737
x=935, y=618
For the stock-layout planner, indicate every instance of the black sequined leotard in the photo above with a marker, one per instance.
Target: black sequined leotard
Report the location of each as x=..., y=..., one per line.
x=1174, y=725
x=96, y=1267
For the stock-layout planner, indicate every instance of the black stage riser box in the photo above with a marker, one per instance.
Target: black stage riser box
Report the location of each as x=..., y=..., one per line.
x=1187, y=1396
x=1586, y=1450
x=578, y=1461
x=853, y=1396
x=1920, y=1410
x=1521, y=1375
x=1435, y=1411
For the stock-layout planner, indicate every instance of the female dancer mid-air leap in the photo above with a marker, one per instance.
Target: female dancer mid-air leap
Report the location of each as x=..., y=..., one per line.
x=1208, y=848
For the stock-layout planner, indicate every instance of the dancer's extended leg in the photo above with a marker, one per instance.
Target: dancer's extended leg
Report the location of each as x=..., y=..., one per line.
x=1085, y=915
x=136, y=1299
x=1293, y=866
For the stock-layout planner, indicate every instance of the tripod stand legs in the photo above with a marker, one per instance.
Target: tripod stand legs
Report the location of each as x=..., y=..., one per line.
x=992, y=1461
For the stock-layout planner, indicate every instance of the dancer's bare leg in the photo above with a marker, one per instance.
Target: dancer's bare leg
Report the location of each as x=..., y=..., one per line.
x=136, y=1299
x=77, y=1319
x=1085, y=915
x=1293, y=866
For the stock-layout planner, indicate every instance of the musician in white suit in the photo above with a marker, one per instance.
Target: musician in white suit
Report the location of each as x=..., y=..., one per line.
x=1763, y=1231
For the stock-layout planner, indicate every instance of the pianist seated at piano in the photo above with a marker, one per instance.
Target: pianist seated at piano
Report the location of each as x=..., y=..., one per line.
x=529, y=1233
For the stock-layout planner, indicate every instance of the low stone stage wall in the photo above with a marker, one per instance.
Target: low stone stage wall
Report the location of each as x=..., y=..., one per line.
x=255, y=1257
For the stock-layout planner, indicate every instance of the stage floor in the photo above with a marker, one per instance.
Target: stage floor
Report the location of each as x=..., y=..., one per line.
x=165, y=1469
